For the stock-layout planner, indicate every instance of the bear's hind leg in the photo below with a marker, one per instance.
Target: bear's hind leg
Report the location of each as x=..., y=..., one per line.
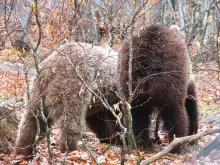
x=69, y=138
x=191, y=108
x=175, y=121
x=27, y=133
x=69, y=134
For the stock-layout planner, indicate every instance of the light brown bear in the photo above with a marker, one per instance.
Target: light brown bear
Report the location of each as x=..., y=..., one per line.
x=65, y=77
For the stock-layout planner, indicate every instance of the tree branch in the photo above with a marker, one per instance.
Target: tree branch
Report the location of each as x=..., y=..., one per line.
x=178, y=141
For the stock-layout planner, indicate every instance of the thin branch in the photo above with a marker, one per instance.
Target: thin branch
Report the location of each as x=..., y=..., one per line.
x=104, y=103
x=176, y=142
x=6, y=20
x=134, y=18
x=23, y=28
x=78, y=7
x=39, y=26
x=206, y=69
x=42, y=98
x=172, y=10
x=103, y=100
x=216, y=4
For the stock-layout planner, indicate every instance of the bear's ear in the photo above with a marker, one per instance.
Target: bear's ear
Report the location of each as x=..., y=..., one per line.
x=175, y=29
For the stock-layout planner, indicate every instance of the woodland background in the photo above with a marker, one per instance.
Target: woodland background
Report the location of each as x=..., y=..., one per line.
x=98, y=22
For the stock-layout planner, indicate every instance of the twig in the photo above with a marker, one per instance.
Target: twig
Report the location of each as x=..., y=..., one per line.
x=134, y=18
x=6, y=20
x=23, y=28
x=42, y=98
x=39, y=26
x=172, y=10
x=206, y=69
x=217, y=47
x=178, y=141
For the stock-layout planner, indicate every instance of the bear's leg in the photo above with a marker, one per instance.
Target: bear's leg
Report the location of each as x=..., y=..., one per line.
x=27, y=133
x=69, y=132
x=175, y=121
x=73, y=121
x=141, y=122
x=191, y=108
x=192, y=111
x=68, y=137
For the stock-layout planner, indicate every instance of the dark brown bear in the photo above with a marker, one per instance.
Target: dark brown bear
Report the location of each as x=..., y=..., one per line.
x=160, y=78
x=66, y=99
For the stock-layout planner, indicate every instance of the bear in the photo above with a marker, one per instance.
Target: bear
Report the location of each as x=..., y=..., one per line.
x=66, y=82
x=160, y=79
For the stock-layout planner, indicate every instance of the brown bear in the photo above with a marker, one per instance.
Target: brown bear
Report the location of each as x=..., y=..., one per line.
x=160, y=78
x=65, y=79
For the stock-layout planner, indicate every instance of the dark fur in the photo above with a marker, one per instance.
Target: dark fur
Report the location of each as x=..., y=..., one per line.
x=65, y=97
x=191, y=108
x=192, y=111
x=103, y=123
x=160, y=76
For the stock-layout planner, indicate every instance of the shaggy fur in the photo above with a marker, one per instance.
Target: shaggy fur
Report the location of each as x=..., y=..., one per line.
x=65, y=98
x=160, y=75
x=191, y=99
x=190, y=102
x=192, y=112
